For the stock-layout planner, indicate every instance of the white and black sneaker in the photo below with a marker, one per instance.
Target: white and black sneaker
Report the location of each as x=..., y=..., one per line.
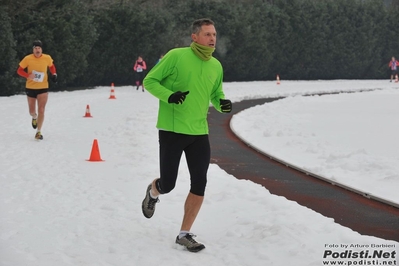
x=189, y=243
x=34, y=123
x=38, y=135
x=148, y=205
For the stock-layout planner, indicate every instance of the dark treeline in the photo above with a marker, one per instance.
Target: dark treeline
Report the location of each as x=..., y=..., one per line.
x=95, y=42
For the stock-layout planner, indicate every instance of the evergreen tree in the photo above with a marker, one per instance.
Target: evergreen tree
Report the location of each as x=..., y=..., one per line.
x=125, y=32
x=390, y=38
x=67, y=33
x=9, y=82
x=96, y=42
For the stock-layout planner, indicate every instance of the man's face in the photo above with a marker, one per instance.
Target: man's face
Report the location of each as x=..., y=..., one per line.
x=206, y=37
x=37, y=51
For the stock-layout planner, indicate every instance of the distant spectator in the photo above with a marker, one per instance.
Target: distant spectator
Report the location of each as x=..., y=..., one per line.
x=160, y=58
x=393, y=64
x=139, y=69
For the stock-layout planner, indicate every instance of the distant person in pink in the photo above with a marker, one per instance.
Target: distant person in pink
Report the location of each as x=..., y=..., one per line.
x=139, y=68
x=393, y=64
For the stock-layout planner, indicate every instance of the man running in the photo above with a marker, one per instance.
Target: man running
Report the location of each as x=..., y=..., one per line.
x=185, y=81
x=37, y=83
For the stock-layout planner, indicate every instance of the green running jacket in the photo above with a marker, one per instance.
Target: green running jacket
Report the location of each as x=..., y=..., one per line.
x=181, y=70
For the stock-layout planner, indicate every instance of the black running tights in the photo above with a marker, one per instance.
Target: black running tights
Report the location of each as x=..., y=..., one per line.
x=198, y=154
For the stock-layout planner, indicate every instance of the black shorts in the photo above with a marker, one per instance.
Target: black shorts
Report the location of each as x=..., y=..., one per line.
x=140, y=77
x=198, y=155
x=34, y=92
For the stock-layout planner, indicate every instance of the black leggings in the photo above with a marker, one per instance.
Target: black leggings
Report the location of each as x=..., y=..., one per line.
x=139, y=78
x=198, y=154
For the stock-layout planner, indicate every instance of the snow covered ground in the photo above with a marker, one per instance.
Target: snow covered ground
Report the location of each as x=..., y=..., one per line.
x=57, y=208
x=349, y=138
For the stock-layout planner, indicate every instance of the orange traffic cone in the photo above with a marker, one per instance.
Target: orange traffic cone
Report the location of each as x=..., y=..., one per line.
x=112, y=96
x=95, y=153
x=87, y=111
x=396, y=78
x=278, y=80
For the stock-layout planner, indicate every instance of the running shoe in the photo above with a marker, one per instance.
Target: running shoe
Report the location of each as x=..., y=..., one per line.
x=34, y=123
x=148, y=205
x=38, y=135
x=189, y=243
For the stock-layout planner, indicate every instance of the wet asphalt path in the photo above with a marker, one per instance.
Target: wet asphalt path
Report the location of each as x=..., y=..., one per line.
x=361, y=214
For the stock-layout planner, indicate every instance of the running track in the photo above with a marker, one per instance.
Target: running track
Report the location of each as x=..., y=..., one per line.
x=349, y=209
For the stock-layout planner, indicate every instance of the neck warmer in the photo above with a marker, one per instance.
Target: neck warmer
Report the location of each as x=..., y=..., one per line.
x=203, y=52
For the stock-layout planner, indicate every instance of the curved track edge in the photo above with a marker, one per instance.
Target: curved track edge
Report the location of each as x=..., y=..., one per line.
x=309, y=173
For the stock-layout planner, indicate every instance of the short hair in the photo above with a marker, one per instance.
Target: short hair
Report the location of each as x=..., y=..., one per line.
x=197, y=24
x=37, y=43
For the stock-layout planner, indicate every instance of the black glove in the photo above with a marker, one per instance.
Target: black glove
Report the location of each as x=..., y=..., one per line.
x=225, y=106
x=54, y=78
x=178, y=97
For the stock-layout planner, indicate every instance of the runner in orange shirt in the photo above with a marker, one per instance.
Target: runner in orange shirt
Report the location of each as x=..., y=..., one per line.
x=37, y=83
